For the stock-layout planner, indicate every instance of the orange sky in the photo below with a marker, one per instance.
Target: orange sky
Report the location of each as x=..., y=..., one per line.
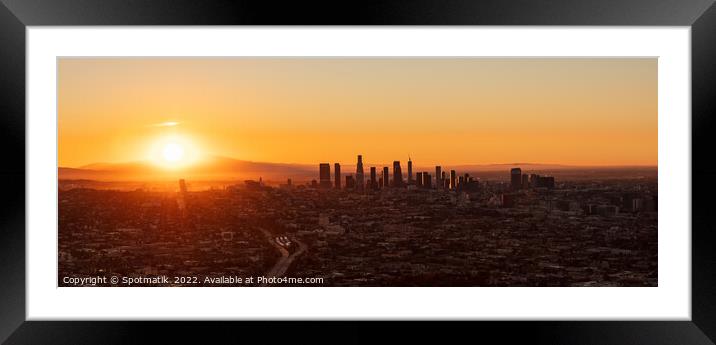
x=307, y=110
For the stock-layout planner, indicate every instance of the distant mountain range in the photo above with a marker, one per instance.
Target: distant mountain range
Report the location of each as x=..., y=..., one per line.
x=207, y=169
x=216, y=168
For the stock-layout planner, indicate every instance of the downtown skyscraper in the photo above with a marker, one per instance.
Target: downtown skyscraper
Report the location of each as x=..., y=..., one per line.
x=337, y=172
x=438, y=177
x=360, y=181
x=373, y=181
x=516, y=178
x=325, y=175
x=397, y=175
x=410, y=171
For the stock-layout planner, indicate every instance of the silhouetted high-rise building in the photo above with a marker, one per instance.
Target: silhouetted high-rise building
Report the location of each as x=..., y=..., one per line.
x=337, y=173
x=397, y=175
x=182, y=186
x=410, y=171
x=419, y=179
x=360, y=182
x=427, y=180
x=452, y=180
x=373, y=182
x=325, y=175
x=525, y=181
x=438, y=177
x=516, y=178
x=386, y=177
x=534, y=178
x=461, y=182
x=350, y=182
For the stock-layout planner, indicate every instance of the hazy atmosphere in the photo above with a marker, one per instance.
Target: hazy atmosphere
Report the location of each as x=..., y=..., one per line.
x=306, y=110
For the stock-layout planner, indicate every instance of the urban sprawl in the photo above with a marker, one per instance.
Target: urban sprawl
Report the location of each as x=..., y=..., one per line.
x=383, y=228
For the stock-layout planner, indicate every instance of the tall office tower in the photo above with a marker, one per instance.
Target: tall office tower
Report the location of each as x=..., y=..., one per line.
x=359, y=173
x=337, y=172
x=373, y=182
x=438, y=177
x=461, y=182
x=386, y=177
x=427, y=180
x=452, y=180
x=446, y=183
x=181, y=198
x=325, y=175
x=410, y=171
x=397, y=175
x=525, y=181
x=419, y=179
x=534, y=180
x=288, y=182
x=516, y=178
x=350, y=182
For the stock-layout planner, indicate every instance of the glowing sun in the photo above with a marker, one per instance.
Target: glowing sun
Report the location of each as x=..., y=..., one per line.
x=173, y=152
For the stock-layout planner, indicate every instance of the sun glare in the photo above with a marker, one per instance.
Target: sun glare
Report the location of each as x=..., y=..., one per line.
x=173, y=152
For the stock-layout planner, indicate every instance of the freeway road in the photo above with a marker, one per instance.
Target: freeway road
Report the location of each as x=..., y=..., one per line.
x=284, y=262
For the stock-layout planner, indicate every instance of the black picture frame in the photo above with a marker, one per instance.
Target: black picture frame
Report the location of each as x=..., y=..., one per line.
x=16, y=15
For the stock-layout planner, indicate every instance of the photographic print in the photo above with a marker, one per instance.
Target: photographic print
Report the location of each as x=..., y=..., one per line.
x=357, y=171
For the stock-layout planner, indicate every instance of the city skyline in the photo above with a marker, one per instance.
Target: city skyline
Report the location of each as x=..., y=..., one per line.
x=449, y=111
x=442, y=180
x=228, y=169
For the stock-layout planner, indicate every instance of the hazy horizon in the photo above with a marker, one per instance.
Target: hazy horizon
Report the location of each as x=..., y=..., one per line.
x=387, y=164
x=226, y=169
